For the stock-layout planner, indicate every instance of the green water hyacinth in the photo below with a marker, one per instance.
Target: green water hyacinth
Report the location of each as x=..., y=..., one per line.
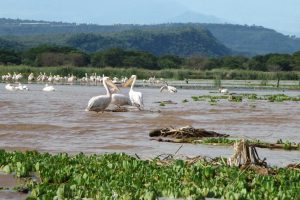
x=213, y=99
x=119, y=176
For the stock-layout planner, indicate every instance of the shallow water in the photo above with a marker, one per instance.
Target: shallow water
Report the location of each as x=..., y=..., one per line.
x=56, y=122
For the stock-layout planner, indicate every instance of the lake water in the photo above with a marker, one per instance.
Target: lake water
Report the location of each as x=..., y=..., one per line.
x=56, y=122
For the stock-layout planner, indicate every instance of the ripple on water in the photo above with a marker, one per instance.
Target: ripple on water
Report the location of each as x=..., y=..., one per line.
x=57, y=122
x=28, y=127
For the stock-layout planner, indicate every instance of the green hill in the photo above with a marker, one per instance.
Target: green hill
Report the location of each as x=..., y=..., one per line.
x=183, y=42
x=253, y=39
x=181, y=38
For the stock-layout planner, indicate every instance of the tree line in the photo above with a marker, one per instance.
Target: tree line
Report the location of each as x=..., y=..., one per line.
x=47, y=55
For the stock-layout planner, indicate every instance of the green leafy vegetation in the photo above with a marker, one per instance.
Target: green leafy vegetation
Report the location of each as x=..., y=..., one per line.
x=162, y=104
x=249, y=96
x=217, y=68
x=123, y=177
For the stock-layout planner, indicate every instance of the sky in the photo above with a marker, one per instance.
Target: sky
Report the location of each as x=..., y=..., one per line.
x=281, y=15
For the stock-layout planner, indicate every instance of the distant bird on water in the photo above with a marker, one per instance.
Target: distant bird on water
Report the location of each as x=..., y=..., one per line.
x=170, y=89
x=223, y=90
x=48, y=88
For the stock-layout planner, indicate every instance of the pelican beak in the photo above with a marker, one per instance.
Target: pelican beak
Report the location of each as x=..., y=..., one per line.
x=112, y=85
x=128, y=83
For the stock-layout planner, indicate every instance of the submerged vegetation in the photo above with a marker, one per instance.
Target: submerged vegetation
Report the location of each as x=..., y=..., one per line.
x=249, y=96
x=120, y=176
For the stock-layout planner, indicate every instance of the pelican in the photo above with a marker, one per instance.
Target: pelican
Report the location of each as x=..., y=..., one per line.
x=21, y=87
x=99, y=103
x=31, y=77
x=223, y=90
x=136, y=98
x=171, y=89
x=48, y=88
x=10, y=87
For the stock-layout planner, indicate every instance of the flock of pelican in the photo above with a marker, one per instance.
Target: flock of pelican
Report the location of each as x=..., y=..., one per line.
x=101, y=102
x=11, y=87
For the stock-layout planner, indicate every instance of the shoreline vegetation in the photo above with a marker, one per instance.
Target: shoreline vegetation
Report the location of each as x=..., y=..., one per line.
x=121, y=176
x=208, y=78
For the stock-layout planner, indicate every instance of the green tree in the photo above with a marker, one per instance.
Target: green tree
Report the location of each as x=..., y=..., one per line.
x=170, y=61
x=9, y=57
x=113, y=57
x=284, y=61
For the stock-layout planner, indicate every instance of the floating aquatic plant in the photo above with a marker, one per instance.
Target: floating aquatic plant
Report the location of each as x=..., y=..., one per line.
x=119, y=176
x=240, y=97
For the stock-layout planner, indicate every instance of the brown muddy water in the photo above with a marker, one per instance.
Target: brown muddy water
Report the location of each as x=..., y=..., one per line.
x=56, y=122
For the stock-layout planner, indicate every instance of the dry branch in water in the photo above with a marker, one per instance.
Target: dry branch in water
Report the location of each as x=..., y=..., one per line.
x=184, y=133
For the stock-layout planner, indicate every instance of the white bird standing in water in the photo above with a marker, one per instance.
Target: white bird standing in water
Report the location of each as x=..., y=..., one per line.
x=10, y=87
x=223, y=90
x=99, y=103
x=48, y=88
x=136, y=98
x=21, y=87
x=171, y=89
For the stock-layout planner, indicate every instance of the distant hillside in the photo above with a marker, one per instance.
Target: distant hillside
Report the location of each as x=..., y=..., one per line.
x=253, y=39
x=182, y=42
x=10, y=45
x=245, y=40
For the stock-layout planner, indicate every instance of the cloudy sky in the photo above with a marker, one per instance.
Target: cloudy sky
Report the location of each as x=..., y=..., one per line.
x=283, y=16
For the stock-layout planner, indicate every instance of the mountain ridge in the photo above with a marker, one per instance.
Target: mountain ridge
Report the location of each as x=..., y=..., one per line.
x=241, y=39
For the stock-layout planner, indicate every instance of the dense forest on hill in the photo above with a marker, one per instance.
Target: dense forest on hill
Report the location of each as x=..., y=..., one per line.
x=241, y=39
x=181, y=42
x=253, y=39
x=45, y=55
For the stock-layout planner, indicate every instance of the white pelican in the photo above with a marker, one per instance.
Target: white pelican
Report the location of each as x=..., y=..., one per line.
x=99, y=103
x=223, y=90
x=10, y=87
x=136, y=98
x=48, y=88
x=21, y=87
x=171, y=89
x=31, y=77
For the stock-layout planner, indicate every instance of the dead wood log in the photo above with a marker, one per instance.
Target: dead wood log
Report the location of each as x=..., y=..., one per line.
x=185, y=132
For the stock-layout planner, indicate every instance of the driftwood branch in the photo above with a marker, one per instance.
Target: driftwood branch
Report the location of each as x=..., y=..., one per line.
x=184, y=133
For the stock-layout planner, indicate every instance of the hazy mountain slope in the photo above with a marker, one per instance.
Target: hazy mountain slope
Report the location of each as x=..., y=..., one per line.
x=183, y=42
x=248, y=40
x=253, y=39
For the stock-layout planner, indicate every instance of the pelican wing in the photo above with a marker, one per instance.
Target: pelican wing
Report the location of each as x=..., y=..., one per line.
x=98, y=103
x=120, y=99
